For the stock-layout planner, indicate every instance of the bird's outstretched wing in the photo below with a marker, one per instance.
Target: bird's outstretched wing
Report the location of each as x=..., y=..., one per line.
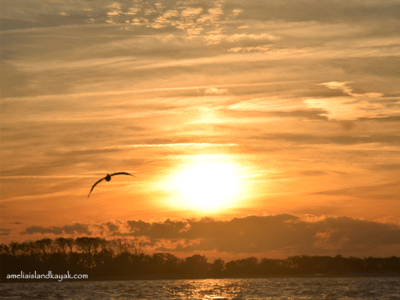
x=122, y=173
x=94, y=186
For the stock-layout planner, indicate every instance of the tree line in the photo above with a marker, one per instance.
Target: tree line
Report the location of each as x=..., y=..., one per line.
x=123, y=258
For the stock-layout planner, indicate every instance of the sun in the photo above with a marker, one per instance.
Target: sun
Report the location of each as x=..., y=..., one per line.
x=207, y=185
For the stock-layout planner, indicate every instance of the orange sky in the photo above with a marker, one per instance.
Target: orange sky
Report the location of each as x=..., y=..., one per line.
x=290, y=108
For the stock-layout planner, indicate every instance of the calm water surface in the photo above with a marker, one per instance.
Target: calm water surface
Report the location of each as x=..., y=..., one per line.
x=263, y=288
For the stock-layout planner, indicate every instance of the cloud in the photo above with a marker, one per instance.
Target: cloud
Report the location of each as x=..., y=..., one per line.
x=320, y=11
x=286, y=233
x=250, y=36
x=337, y=11
x=112, y=227
x=334, y=85
x=384, y=191
x=347, y=109
x=165, y=230
x=188, y=12
x=5, y=231
x=77, y=228
x=350, y=105
x=388, y=166
x=310, y=114
x=213, y=90
x=333, y=139
x=264, y=48
x=314, y=173
x=256, y=234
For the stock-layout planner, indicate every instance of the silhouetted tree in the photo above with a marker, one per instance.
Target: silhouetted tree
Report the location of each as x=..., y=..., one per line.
x=391, y=264
x=171, y=263
x=355, y=264
x=119, y=246
x=44, y=246
x=4, y=249
x=89, y=247
x=217, y=267
x=62, y=244
x=242, y=266
x=122, y=258
x=269, y=267
x=196, y=264
x=14, y=248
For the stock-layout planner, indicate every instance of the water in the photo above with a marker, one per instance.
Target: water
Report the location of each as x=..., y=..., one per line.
x=259, y=288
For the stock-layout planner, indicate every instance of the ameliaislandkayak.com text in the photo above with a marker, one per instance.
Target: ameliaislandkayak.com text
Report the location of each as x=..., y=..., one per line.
x=49, y=275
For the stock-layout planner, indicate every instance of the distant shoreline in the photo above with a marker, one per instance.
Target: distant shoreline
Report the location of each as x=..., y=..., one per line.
x=96, y=259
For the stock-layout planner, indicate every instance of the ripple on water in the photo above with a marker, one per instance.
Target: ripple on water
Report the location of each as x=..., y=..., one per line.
x=381, y=288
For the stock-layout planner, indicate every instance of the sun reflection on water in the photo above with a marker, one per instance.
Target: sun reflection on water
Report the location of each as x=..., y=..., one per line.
x=207, y=289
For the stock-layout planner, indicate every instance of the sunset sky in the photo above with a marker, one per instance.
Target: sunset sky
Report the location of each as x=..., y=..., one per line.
x=253, y=128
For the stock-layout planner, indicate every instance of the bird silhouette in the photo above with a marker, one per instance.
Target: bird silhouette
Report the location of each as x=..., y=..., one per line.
x=108, y=178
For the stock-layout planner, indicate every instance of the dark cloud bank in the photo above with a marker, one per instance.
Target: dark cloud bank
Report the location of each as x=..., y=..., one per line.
x=254, y=234
x=77, y=228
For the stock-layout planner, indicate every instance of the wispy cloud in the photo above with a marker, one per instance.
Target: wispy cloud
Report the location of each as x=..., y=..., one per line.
x=351, y=105
x=377, y=191
x=343, y=86
x=5, y=231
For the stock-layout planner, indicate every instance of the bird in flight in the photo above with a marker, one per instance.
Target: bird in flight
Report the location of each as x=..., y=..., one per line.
x=108, y=178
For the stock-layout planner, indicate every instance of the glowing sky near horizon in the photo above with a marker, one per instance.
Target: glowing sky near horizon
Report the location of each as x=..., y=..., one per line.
x=298, y=102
